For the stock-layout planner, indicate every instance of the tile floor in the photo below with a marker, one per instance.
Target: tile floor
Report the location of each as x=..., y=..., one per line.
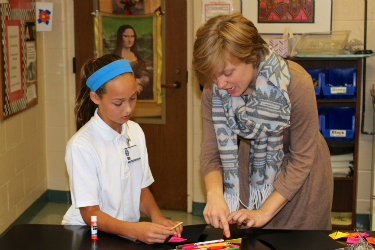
x=53, y=213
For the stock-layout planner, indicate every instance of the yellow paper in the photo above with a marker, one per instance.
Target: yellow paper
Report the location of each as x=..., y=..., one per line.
x=338, y=235
x=235, y=241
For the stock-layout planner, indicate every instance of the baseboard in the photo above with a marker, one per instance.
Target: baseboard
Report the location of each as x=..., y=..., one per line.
x=362, y=222
x=59, y=196
x=198, y=208
x=48, y=196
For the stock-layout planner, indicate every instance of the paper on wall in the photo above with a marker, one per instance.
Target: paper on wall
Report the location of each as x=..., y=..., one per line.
x=44, y=13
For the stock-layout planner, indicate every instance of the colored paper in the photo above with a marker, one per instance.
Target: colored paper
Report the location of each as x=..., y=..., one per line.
x=235, y=241
x=191, y=233
x=355, y=235
x=176, y=239
x=354, y=240
x=338, y=235
x=371, y=240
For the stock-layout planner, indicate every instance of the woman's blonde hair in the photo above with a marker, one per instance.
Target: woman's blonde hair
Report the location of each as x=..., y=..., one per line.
x=224, y=38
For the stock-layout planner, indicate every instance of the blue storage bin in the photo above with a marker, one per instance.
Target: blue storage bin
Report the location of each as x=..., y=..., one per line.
x=320, y=111
x=340, y=83
x=338, y=123
x=316, y=76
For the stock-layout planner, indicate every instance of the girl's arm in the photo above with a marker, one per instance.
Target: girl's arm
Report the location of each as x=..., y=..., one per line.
x=149, y=207
x=143, y=231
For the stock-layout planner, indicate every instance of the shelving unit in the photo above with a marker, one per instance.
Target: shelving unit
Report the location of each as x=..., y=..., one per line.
x=345, y=188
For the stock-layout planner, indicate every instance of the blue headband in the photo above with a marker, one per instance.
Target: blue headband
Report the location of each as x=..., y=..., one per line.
x=107, y=73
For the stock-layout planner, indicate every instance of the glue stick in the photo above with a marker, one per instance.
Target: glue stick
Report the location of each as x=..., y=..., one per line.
x=94, y=229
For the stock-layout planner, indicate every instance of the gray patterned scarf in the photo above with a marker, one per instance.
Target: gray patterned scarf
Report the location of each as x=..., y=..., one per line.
x=261, y=117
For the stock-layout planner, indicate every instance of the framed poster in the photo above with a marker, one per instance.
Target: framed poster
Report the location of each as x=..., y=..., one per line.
x=129, y=7
x=134, y=38
x=302, y=16
x=19, y=89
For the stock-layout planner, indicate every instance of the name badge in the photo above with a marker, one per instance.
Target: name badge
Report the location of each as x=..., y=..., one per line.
x=132, y=154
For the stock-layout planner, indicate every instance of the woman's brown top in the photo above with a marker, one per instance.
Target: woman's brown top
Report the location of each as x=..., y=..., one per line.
x=306, y=179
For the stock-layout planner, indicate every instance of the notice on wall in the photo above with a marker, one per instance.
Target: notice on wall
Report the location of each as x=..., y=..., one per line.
x=31, y=61
x=14, y=59
x=214, y=8
x=31, y=93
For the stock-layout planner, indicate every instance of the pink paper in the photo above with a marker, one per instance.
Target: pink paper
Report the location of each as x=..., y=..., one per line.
x=176, y=239
x=353, y=240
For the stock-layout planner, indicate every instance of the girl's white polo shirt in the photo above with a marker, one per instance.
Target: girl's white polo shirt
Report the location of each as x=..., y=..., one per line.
x=99, y=173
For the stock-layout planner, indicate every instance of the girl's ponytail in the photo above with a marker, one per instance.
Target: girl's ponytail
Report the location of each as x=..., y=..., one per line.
x=85, y=108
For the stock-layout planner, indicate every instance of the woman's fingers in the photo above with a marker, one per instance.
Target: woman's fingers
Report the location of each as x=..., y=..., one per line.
x=250, y=223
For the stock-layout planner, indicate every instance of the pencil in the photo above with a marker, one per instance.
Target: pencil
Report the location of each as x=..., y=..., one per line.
x=175, y=226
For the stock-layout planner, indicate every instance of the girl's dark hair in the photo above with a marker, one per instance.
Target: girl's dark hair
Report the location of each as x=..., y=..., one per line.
x=119, y=43
x=85, y=108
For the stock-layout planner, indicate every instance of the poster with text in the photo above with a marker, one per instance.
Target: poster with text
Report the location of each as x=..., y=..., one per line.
x=14, y=59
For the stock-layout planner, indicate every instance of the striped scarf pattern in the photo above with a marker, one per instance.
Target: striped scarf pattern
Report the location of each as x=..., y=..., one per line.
x=261, y=117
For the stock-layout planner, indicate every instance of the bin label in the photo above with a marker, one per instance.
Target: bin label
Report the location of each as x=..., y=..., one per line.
x=338, y=133
x=338, y=90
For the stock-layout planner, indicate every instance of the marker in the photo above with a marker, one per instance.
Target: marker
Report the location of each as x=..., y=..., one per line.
x=94, y=230
x=199, y=244
x=175, y=226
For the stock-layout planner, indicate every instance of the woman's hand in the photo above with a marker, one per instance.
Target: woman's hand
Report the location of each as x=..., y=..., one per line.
x=252, y=218
x=216, y=212
x=170, y=223
x=151, y=232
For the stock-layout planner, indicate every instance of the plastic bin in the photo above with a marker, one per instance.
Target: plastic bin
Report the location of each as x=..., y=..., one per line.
x=323, y=43
x=340, y=83
x=316, y=75
x=338, y=123
x=320, y=111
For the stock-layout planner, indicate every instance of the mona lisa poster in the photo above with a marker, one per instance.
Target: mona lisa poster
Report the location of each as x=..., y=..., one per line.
x=135, y=39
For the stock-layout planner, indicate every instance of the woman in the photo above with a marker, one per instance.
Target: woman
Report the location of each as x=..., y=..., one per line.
x=261, y=142
x=126, y=47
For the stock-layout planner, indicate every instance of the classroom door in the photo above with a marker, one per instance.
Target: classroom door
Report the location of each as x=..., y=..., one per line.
x=166, y=144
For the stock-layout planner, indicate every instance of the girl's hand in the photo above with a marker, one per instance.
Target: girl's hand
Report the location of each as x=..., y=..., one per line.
x=151, y=232
x=170, y=223
x=252, y=218
x=216, y=212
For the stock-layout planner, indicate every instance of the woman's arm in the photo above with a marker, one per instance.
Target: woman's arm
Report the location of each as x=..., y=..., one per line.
x=258, y=218
x=216, y=210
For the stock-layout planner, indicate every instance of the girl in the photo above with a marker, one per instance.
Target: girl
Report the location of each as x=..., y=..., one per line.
x=107, y=158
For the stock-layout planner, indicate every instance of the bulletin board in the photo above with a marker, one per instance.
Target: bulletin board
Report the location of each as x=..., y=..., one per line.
x=18, y=65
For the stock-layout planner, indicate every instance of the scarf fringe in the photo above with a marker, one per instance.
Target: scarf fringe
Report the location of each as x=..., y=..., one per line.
x=232, y=201
x=258, y=196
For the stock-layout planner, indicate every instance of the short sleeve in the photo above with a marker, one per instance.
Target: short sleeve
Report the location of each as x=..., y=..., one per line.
x=83, y=178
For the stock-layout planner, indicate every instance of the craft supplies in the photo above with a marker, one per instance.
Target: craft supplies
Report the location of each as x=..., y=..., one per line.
x=175, y=226
x=94, y=229
x=200, y=243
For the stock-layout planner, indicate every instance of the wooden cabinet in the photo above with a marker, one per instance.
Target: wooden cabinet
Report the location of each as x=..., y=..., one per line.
x=345, y=188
